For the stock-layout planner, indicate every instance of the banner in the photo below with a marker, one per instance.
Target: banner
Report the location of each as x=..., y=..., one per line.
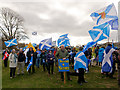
x=63, y=65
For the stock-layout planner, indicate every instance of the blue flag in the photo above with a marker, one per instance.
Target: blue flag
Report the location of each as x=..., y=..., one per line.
x=30, y=64
x=45, y=44
x=107, y=61
x=100, y=32
x=89, y=44
x=114, y=24
x=80, y=61
x=105, y=14
x=11, y=42
x=63, y=40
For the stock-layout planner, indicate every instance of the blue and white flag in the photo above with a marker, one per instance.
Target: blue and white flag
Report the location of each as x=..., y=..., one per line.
x=114, y=24
x=100, y=32
x=54, y=43
x=89, y=44
x=34, y=33
x=105, y=14
x=80, y=61
x=107, y=61
x=63, y=40
x=25, y=52
x=11, y=42
x=30, y=64
x=47, y=43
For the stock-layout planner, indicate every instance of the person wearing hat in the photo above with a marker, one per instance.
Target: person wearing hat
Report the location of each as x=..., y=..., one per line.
x=50, y=60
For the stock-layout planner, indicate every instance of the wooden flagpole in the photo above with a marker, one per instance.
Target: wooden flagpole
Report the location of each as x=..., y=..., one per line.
x=64, y=78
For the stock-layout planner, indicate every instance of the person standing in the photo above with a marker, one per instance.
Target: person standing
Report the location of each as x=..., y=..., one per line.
x=31, y=53
x=96, y=52
x=79, y=70
x=62, y=54
x=50, y=60
x=21, y=60
x=100, y=55
x=118, y=67
x=107, y=62
x=38, y=58
x=6, y=59
x=13, y=63
x=43, y=59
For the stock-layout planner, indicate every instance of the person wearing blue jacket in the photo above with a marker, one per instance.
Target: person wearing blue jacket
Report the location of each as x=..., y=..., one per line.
x=50, y=60
x=100, y=55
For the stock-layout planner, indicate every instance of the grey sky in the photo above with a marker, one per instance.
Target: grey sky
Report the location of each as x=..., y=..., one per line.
x=52, y=18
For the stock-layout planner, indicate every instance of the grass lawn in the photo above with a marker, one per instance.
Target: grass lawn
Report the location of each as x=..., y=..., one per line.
x=40, y=79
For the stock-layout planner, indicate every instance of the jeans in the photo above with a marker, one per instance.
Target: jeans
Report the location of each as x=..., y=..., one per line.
x=12, y=71
x=38, y=62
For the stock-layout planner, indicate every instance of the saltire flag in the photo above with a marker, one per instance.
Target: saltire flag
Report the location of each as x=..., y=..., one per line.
x=80, y=61
x=105, y=14
x=25, y=52
x=11, y=42
x=30, y=45
x=89, y=44
x=107, y=61
x=100, y=32
x=34, y=33
x=5, y=56
x=45, y=44
x=30, y=64
x=63, y=40
x=54, y=43
x=114, y=24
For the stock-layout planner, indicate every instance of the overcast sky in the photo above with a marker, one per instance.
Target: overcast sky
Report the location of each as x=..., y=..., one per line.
x=52, y=18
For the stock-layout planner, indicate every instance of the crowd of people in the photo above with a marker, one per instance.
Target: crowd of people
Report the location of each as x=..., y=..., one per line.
x=48, y=59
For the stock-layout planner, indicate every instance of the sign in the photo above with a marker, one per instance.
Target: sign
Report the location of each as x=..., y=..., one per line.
x=63, y=65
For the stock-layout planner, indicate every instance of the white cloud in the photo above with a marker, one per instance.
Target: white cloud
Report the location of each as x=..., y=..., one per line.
x=52, y=18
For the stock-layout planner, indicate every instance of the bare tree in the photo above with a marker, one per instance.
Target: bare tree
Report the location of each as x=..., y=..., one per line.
x=11, y=25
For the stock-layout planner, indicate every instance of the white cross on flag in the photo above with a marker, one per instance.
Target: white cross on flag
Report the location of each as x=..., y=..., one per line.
x=45, y=44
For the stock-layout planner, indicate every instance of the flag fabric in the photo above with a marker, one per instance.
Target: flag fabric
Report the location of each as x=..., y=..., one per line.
x=34, y=44
x=34, y=33
x=80, y=61
x=100, y=32
x=114, y=24
x=45, y=44
x=105, y=14
x=5, y=56
x=30, y=64
x=54, y=43
x=107, y=61
x=25, y=52
x=11, y=42
x=30, y=45
x=63, y=40
x=89, y=44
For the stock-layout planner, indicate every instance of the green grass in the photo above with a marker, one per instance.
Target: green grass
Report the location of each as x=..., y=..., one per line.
x=41, y=80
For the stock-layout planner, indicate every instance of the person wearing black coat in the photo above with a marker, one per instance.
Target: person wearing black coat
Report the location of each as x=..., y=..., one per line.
x=50, y=59
x=29, y=54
